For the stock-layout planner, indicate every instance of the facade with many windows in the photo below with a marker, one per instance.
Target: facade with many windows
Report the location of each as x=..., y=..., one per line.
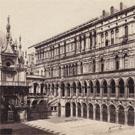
x=89, y=71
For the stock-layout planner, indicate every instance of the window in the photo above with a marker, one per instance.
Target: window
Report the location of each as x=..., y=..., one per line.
x=106, y=38
x=112, y=37
x=126, y=31
x=117, y=63
x=102, y=65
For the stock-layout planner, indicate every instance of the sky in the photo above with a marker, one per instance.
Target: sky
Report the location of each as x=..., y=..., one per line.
x=38, y=20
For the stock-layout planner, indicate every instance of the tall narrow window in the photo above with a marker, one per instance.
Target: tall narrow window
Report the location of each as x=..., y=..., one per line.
x=102, y=65
x=106, y=39
x=112, y=37
x=117, y=63
x=126, y=31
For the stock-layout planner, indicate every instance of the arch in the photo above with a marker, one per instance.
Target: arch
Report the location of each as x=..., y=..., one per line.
x=74, y=88
x=130, y=85
x=121, y=115
x=59, y=110
x=97, y=110
x=48, y=89
x=62, y=89
x=45, y=92
x=91, y=87
x=84, y=110
x=121, y=88
x=35, y=87
x=90, y=111
x=130, y=116
x=105, y=112
x=74, y=109
x=112, y=111
x=112, y=88
x=97, y=85
x=79, y=88
x=68, y=89
x=42, y=88
x=52, y=89
x=85, y=88
x=104, y=85
x=79, y=109
x=56, y=90
x=67, y=110
x=34, y=103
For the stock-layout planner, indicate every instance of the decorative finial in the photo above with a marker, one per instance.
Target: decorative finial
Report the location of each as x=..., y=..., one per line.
x=8, y=28
x=20, y=46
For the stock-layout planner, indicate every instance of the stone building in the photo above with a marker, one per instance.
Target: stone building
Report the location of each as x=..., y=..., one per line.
x=13, y=88
x=89, y=71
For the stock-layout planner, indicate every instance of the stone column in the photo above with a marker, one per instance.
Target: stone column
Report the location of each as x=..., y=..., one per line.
x=108, y=112
x=117, y=120
x=63, y=111
x=101, y=114
x=126, y=91
x=126, y=119
x=76, y=110
x=94, y=112
x=87, y=111
x=77, y=92
x=79, y=68
x=101, y=91
x=108, y=91
x=81, y=111
x=71, y=109
x=59, y=91
x=88, y=91
x=71, y=91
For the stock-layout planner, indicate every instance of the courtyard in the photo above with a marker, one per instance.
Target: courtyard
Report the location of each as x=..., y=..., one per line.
x=80, y=126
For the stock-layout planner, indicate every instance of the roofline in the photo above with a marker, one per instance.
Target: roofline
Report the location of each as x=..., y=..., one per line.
x=82, y=26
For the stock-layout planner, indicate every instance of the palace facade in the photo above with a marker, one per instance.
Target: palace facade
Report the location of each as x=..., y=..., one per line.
x=89, y=71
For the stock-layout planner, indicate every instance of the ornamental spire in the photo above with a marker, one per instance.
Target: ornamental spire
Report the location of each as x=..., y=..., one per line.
x=8, y=28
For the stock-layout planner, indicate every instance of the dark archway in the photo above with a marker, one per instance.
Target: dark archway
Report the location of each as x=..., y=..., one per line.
x=131, y=116
x=35, y=88
x=52, y=89
x=42, y=88
x=112, y=110
x=130, y=85
x=104, y=112
x=91, y=88
x=62, y=89
x=121, y=88
x=74, y=89
x=74, y=109
x=34, y=103
x=68, y=90
x=84, y=110
x=79, y=109
x=59, y=110
x=90, y=111
x=97, y=110
x=97, y=88
x=67, y=109
x=85, y=88
x=79, y=88
x=121, y=115
x=104, y=88
x=112, y=87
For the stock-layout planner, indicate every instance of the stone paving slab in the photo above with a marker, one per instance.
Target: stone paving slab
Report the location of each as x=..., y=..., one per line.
x=69, y=126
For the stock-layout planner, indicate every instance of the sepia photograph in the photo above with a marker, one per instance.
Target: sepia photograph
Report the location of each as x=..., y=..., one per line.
x=67, y=67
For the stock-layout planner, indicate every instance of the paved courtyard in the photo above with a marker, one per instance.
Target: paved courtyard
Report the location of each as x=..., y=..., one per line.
x=73, y=126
